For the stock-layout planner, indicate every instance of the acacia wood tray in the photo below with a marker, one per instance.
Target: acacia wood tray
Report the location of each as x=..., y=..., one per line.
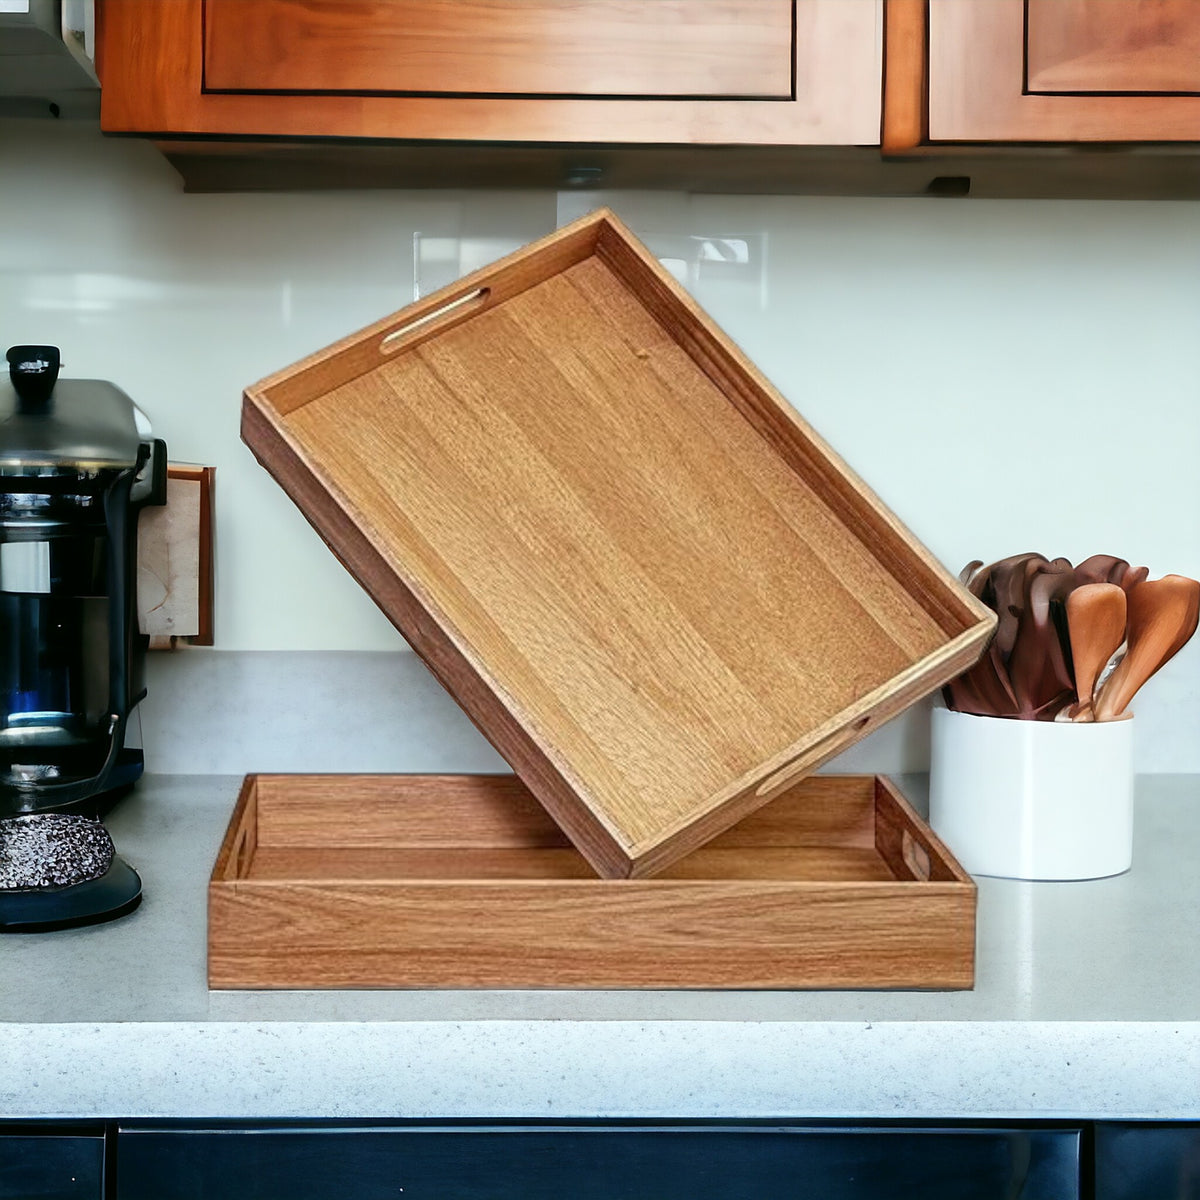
x=650, y=584
x=342, y=881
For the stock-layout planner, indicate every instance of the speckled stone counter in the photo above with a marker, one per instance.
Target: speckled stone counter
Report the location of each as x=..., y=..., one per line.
x=1087, y=1004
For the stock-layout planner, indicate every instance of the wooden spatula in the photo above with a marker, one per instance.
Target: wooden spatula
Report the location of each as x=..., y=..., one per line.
x=1096, y=623
x=1163, y=614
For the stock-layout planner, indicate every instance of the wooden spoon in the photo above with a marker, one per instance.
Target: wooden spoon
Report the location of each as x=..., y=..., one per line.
x=1163, y=614
x=1096, y=622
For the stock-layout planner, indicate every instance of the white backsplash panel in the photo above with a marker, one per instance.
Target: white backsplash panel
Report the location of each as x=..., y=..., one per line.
x=1007, y=375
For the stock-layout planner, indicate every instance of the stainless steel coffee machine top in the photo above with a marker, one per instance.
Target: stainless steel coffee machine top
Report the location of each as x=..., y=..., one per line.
x=77, y=464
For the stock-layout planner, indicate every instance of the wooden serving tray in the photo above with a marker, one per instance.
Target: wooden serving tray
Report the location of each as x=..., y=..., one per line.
x=328, y=881
x=656, y=591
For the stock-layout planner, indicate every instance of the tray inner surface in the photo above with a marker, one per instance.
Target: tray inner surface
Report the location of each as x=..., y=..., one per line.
x=317, y=829
x=645, y=577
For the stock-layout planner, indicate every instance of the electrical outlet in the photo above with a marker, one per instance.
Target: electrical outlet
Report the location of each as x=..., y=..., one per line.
x=175, y=562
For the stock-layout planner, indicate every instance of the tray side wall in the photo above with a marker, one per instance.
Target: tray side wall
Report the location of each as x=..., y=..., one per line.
x=485, y=811
x=897, y=825
x=241, y=836
x=585, y=934
x=450, y=665
x=595, y=933
x=363, y=351
x=548, y=774
x=775, y=778
x=797, y=443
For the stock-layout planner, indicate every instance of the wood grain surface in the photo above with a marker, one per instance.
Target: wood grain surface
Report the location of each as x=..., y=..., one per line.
x=641, y=574
x=702, y=48
x=977, y=71
x=1110, y=46
x=480, y=811
x=378, y=881
x=153, y=61
x=905, y=80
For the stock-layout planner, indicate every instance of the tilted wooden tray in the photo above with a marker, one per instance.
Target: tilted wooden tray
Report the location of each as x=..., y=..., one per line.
x=464, y=881
x=656, y=591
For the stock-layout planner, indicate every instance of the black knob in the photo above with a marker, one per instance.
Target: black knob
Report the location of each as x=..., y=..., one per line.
x=34, y=372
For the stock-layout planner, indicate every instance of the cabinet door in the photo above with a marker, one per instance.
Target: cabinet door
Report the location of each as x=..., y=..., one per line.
x=51, y=1167
x=683, y=48
x=1147, y=1161
x=597, y=1163
x=788, y=72
x=1064, y=70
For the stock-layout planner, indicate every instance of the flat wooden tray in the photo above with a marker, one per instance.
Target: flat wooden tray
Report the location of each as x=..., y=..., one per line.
x=464, y=881
x=657, y=592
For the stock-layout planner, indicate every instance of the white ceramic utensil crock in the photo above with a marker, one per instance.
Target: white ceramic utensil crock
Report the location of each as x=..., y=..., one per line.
x=1048, y=800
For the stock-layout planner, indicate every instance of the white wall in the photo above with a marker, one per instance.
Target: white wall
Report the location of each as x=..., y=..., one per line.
x=1008, y=375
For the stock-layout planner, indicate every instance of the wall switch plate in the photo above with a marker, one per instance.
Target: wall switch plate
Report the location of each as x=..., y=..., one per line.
x=175, y=562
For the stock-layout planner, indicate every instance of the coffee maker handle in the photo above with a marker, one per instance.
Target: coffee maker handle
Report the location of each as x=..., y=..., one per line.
x=150, y=487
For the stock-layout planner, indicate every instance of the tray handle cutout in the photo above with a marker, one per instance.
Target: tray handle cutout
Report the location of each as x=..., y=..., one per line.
x=810, y=758
x=441, y=318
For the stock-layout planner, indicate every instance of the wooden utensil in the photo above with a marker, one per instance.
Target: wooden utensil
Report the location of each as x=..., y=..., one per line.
x=1041, y=678
x=1096, y=621
x=1162, y=616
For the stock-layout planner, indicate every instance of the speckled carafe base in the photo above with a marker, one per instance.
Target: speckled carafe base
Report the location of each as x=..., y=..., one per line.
x=58, y=871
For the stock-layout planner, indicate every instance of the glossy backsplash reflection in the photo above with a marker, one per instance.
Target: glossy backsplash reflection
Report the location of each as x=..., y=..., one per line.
x=738, y=265
x=1008, y=375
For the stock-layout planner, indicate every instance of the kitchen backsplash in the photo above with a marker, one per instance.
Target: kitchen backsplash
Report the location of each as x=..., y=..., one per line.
x=1007, y=375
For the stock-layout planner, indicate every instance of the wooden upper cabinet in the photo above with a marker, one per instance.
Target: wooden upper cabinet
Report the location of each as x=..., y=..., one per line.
x=684, y=48
x=1063, y=70
x=1127, y=47
x=744, y=72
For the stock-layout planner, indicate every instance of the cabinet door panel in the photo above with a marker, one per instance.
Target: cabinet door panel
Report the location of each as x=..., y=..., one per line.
x=685, y=48
x=1114, y=46
x=597, y=1163
x=1147, y=1162
x=1097, y=70
x=642, y=72
x=51, y=1167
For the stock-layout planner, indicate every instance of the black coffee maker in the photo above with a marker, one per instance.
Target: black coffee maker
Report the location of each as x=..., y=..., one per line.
x=77, y=464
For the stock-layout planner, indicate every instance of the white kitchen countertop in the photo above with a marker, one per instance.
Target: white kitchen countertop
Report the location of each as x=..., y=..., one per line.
x=1087, y=1004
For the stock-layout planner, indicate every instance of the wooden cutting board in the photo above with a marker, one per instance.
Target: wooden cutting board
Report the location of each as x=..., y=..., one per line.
x=652, y=586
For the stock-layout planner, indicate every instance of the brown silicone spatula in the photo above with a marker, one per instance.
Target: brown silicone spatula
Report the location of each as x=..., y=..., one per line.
x=1132, y=577
x=1037, y=668
x=1096, y=623
x=1163, y=614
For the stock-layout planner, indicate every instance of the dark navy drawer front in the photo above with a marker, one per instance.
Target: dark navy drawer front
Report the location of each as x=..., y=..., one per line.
x=51, y=1167
x=597, y=1163
x=1138, y=1161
